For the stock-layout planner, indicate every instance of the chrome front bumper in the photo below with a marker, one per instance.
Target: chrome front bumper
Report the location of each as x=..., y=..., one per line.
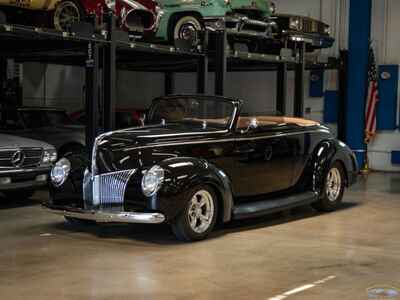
x=107, y=217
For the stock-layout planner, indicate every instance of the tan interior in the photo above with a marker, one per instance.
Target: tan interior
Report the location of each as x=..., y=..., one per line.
x=243, y=122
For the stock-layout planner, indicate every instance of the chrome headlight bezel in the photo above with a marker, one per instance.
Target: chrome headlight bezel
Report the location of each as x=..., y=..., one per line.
x=272, y=7
x=327, y=30
x=49, y=156
x=60, y=172
x=152, y=180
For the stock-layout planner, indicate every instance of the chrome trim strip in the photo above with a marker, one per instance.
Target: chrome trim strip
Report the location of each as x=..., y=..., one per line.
x=225, y=140
x=109, y=217
x=182, y=134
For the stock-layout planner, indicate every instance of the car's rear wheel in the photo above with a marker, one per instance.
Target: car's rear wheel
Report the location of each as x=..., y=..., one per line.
x=332, y=193
x=66, y=13
x=20, y=194
x=187, y=28
x=199, y=216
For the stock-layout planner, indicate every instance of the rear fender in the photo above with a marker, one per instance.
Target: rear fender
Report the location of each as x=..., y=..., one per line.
x=184, y=173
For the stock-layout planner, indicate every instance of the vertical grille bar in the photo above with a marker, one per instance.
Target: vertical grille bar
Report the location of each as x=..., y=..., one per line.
x=109, y=189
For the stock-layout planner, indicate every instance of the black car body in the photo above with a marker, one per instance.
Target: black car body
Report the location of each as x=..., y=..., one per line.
x=247, y=166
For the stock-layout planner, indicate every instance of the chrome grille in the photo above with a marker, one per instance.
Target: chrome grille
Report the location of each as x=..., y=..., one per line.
x=32, y=157
x=109, y=189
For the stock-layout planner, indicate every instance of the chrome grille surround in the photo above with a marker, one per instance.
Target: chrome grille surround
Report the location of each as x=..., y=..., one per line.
x=32, y=157
x=106, y=191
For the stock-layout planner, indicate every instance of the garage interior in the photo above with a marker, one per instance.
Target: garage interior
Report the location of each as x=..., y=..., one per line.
x=295, y=254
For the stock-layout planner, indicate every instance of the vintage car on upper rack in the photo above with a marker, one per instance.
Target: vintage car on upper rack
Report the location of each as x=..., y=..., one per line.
x=51, y=125
x=246, y=21
x=200, y=160
x=292, y=28
x=24, y=165
x=135, y=16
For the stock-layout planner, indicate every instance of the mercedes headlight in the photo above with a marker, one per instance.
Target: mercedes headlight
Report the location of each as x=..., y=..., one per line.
x=152, y=180
x=49, y=156
x=60, y=172
x=295, y=23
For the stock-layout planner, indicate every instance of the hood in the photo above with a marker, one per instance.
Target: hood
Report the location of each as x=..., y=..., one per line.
x=145, y=146
x=11, y=141
x=260, y=5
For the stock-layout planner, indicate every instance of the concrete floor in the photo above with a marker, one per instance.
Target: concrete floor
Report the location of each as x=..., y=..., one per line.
x=350, y=250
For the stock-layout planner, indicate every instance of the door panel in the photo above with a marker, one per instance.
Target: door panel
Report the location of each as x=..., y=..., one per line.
x=263, y=164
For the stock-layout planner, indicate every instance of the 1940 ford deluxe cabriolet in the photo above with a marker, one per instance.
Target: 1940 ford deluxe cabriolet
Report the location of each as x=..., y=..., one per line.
x=200, y=160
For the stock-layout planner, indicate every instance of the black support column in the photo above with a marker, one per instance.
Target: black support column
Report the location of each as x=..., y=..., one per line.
x=109, y=75
x=281, y=88
x=299, y=81
x=169, y=83
x=220, y=62
x=202, y=74
x=92, y=94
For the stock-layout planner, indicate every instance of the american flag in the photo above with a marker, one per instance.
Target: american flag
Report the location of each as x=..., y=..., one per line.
x=373, y=98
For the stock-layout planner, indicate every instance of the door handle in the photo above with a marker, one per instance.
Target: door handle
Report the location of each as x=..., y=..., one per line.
x=244, y=151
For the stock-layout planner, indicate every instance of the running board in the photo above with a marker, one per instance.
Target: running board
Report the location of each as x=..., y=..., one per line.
x=260, y=208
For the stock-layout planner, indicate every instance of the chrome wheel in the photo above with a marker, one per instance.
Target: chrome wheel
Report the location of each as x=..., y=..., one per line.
x=187, y=29
x=66, y=13
x=201, y=211
x=333, y=184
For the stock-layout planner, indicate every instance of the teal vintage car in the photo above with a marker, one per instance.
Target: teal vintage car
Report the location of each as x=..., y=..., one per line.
x=246, y=21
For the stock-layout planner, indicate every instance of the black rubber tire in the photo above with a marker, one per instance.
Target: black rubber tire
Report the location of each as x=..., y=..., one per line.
x=78, y=222
x=77, y=4
x=324, y=204
x=19, y=195
x=180, y=225
x=177, y=21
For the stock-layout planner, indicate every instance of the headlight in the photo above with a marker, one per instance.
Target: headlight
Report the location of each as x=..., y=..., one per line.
x=227, y=2
x=272, y=8
x=152, y=181
x=60, y=172
x=49, y=156
x=295, y=23
x=327, y=30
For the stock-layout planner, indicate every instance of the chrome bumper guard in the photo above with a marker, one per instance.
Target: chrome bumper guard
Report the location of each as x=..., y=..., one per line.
x=107, y=217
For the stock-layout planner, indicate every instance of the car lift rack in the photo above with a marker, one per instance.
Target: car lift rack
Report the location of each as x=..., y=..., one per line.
x=105, y=52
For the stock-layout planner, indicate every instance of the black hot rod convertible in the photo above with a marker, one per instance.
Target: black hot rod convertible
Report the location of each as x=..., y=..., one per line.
x=201, y=160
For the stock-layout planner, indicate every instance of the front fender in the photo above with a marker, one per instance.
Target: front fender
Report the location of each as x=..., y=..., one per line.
x=184, y=173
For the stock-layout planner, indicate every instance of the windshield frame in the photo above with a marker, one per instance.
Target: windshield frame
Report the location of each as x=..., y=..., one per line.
x=235, y=105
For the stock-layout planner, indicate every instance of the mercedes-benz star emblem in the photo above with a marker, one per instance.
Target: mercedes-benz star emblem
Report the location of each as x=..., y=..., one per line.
x=18, y=158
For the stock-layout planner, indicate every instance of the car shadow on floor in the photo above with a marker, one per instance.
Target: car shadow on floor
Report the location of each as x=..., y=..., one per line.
x=7, y=203
x=162, y=235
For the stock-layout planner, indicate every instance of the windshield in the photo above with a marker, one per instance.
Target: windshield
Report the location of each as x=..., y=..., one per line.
x=42, y=118
x=205, y=112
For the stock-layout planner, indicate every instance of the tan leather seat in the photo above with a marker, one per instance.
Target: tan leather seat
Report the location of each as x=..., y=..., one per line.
x=243, y=122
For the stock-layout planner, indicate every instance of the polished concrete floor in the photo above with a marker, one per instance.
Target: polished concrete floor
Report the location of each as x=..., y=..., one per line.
x=302, y=255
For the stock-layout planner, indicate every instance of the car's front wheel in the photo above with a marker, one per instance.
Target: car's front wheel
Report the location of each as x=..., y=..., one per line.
x=332, y=193
x=187, y=28
x=199, y=216
x=66, y=13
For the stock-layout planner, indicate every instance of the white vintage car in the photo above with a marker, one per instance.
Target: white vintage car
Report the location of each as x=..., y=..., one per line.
x=24, y=165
